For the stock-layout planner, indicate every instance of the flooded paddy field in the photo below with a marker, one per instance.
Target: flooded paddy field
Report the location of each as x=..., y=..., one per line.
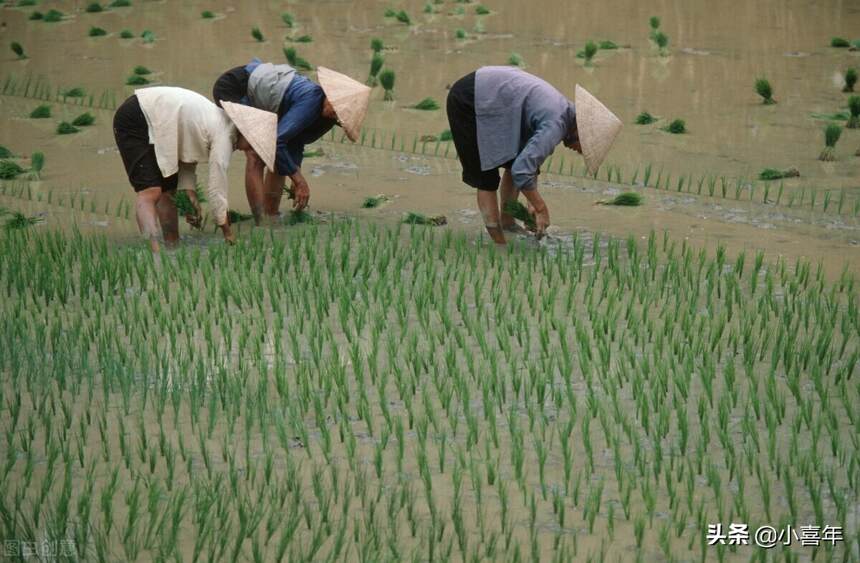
x=359, y=389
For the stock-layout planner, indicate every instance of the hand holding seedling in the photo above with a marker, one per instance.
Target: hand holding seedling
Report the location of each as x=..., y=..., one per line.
x=195, y=218
x=229, y=235
x=539, y=210
x=301, y=191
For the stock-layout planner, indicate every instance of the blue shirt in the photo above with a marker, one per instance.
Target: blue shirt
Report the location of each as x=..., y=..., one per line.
x=299, y=121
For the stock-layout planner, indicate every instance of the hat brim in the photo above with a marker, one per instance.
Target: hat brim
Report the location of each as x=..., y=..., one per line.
x=349, y=98
x=259, y=127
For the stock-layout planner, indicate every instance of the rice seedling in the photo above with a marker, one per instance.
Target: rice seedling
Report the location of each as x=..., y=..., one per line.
x=854, y=108
x=763, y=89
x=288, y=19
x=626, y=199
x=387, y=78
x=427, y=104
x=377, y=45
x=136, y=80
x=371, y=202
x=66, y=128
x=41, y=112
x=376, y=62
x=94, y=8
x=19, y=221
x=25, y=3
x=126, y=34
x=147, y=36
x=589, y=52
x=676, y=127
x=37, y=163
x=460, y=33
x=84, y=120
x=662, y=41
x=850, y=80
x=519, y=212
x=516, y=60
x=839, y=43
x=18, y=50
x=10, y=169
x=257, y=34
x=428, y=8
x=53, y=16
x=481, y=10
x=207, y=14
x=774, y=174
x=96, y=32
x=141, y=70
x=403, y=17
x=645, y=118
x=831, y=135
x=654, y=23
x=295, y=60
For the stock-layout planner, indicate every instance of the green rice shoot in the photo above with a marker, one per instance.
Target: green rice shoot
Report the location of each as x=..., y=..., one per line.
x=427, y=104
x=763, y=89
x=84, y=120
x=676, y=127
x=66, y=128
x=645, y=118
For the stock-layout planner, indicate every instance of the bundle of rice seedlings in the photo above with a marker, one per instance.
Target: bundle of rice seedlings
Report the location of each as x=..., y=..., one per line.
x=66, y=128
x=126, y=34
x=288, y=19
x=37, y=16
x=427, y=104
x=460, y=33
x=207, y=14
x=18, y=50
x=763, y=89
x=589, y=52
x=76, y=92
x=831, y=135
x=516, y=60
x=37, y=163
x=607, y=45
x=53, y=16
x=850, y=80
x=120, y=4
x=183, y=201
x=41, y=112
x=141, y=70
x=662, y=41
x=21, y=221
x=403, y=17
x=5, y=153
x=376, y=45
x=295, y=60
x=24, y=3
x=840, y=43
x=304, y=39
x=389, y=13
x=645, y=118
x=386, y=78
x=654, y=22
x=257, y=34
x=481, y=10
x=9, y=170
x=626, y=199
x=237, y=217
x=97, y=32
x=147, y=36
x=854, y=108
x=520, y=212
x=84, y=120
x=412, y=218
x=376, y=62
x=93, y=8
x=136, y=80
x=774, y=174
x=371, y=202
x=676, y=127
x=445, y=135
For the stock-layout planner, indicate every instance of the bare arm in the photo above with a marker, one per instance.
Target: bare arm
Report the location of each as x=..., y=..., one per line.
x=540, y=209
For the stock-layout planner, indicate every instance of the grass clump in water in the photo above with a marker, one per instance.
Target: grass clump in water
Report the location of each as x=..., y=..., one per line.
x=377, y=45
x=9, y=170
x=645, y=118
x=372, y=202
x=427, y=104
x=18, y=50
x=774, y=174
x=97, y=32
x=66, y=128
x=850, y=80
x=84, y=120
x=626, y=199
x=516, y=60
x=676, y=127
x=764, y=89
x=519, y=212
x=257, y=34
x=387, y=78
x=53, y=16
x=831, y=136
x=295, y=60
x=207, y=14
x=41, y=112
x=854, y=108
x=839, y=43
x=376, y=62
x=94, y=8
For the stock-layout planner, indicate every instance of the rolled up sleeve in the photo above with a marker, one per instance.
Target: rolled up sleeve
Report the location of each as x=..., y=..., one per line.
x=528, y=162
x=301, y=115
x=219, y=162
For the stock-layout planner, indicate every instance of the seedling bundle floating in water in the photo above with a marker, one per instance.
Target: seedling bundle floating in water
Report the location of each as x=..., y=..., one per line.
x=850, y=80
x=427, y=104
x=774, y=174
x=626, y=199
x=84, y=120
x=831, y=135
x=18, y=50
x=9, y=170
x=97, y=32
x=66, y=128
x=676, y=127
x=386, y=78
x=376, y=62
x=763, y=89
x=645, y=118
x=372, y=202
x=41, y=112
x=854, y=109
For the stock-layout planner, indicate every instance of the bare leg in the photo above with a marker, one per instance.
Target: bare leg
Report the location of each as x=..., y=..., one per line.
x=488, y=204
x=254, y=188
x=147, y=218
x=168, y=216
x=508, y=192
x=274, y=186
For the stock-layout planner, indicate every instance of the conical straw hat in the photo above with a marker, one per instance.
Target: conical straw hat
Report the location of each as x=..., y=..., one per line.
x=597, y=127
x=259, y=127
x=348, y=97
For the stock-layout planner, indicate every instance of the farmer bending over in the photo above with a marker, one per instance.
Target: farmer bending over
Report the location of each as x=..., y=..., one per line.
x=163, y=132
x=306, y=111
x=505, y=117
